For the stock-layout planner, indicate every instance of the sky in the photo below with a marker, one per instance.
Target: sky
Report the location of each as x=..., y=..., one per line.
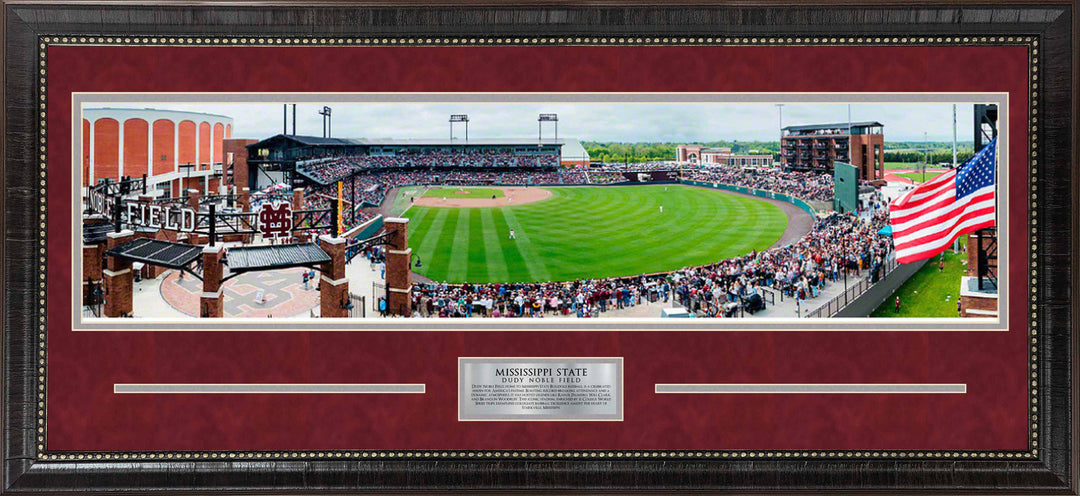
x=622, y=122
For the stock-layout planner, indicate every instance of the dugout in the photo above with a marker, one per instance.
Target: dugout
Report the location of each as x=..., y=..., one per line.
x=845, y=187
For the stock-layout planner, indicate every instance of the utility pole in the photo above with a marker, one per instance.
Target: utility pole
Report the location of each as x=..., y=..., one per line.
x=954, y=136
x=926, y=158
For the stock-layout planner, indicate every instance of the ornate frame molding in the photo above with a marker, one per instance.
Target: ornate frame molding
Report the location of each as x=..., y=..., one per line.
x=29, y=466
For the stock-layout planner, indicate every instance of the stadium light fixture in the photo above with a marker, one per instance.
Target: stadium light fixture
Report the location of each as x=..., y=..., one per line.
x=326, y=129
x=454, y=118
x=540, y=125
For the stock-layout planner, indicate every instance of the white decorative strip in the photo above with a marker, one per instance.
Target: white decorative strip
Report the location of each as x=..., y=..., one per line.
x=217, y=294
x=268, y=388
x=812, y=388
x=335, y=282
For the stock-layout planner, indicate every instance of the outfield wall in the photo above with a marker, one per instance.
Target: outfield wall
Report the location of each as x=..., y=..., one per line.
x=756, y=192
x=365, y=230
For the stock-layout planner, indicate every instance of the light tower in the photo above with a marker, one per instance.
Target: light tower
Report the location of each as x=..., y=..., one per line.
x=325, y=113
x=780, y=144
x=540, y=125
x=454, y=118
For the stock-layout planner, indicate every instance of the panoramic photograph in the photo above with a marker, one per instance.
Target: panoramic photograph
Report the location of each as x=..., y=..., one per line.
x=537, y=210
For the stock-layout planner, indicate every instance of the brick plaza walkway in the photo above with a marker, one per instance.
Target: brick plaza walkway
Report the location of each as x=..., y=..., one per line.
x=283, y=291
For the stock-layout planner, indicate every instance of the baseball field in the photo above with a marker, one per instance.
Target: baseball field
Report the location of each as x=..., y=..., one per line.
x=588, y=232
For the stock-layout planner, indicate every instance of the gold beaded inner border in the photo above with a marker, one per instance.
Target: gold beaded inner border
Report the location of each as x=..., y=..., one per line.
x=1031, y=42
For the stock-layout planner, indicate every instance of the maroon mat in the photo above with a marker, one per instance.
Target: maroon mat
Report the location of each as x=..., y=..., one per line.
x=84, y=414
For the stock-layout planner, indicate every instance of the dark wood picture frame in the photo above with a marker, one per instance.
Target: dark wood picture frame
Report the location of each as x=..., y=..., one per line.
x=1051, y=469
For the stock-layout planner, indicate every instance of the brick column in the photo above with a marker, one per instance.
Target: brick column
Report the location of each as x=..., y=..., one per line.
x=245, y=199
x=333, y=286
x=118, y=277
x=297, y=205
x=151, y=271
x=92, y=258
x=193, y=199
x=398, y=267
x=975, y=302
x=211, y=300
x=244, y=203
x=193, y=203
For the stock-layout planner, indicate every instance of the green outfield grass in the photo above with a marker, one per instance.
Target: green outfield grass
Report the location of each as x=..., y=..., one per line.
x=464, y=192
x=928, y=293
x=918, y=176
x=584, y=232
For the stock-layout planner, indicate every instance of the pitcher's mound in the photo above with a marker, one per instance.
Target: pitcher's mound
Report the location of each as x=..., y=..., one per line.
x=511, y=196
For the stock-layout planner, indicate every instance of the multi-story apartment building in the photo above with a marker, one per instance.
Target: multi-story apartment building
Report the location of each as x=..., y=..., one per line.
x=815, y=147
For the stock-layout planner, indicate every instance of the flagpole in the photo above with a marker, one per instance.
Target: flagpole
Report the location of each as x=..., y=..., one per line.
x=954, y=136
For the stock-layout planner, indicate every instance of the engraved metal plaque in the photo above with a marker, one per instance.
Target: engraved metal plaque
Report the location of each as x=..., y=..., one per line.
x=528, y=388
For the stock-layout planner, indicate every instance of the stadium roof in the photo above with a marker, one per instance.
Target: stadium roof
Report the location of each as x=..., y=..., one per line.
x=319, y=141
x=572, y=150
x=148, y=109
x=839, y=125
x=459, y=141
x=311, y=140
x=263, y=257
x=157, y=252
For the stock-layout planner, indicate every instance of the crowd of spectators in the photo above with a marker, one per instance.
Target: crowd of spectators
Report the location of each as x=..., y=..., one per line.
x=804, y=185
x=606, y=177
x=634, y=167
x=584, y=298
x=331, y=169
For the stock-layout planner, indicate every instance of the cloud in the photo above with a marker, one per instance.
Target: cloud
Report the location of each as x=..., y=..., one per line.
x=629, y=122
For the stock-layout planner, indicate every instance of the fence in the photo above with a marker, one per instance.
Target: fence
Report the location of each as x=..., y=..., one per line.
x=756, y=192
x=853, y=292
x=379, y=293
x=358, y=308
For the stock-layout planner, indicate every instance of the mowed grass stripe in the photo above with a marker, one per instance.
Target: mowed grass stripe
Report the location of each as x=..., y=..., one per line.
x=458, y=270
x=515, y=266
x=533, y=262
x=429, y=235
x=443, y=251
x=494, y=257
x=587, y=232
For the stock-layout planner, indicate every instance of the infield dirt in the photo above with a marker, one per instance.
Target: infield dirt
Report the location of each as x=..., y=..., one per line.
x=514, y=196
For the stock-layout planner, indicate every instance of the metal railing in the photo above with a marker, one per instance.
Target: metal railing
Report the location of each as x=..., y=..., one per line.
x=851, y=293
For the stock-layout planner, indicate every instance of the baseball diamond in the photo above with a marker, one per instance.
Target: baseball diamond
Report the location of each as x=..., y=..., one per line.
x=591, y=232
x=464, y=192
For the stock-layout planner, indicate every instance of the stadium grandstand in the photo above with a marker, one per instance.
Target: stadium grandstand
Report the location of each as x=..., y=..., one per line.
x=309, y=160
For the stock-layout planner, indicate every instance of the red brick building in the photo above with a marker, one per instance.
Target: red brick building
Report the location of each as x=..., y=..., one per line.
x=703, y=155
x=815, y=147
x=176, y=150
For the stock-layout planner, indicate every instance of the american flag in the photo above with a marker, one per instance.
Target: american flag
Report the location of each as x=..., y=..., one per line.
x=928, y=218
